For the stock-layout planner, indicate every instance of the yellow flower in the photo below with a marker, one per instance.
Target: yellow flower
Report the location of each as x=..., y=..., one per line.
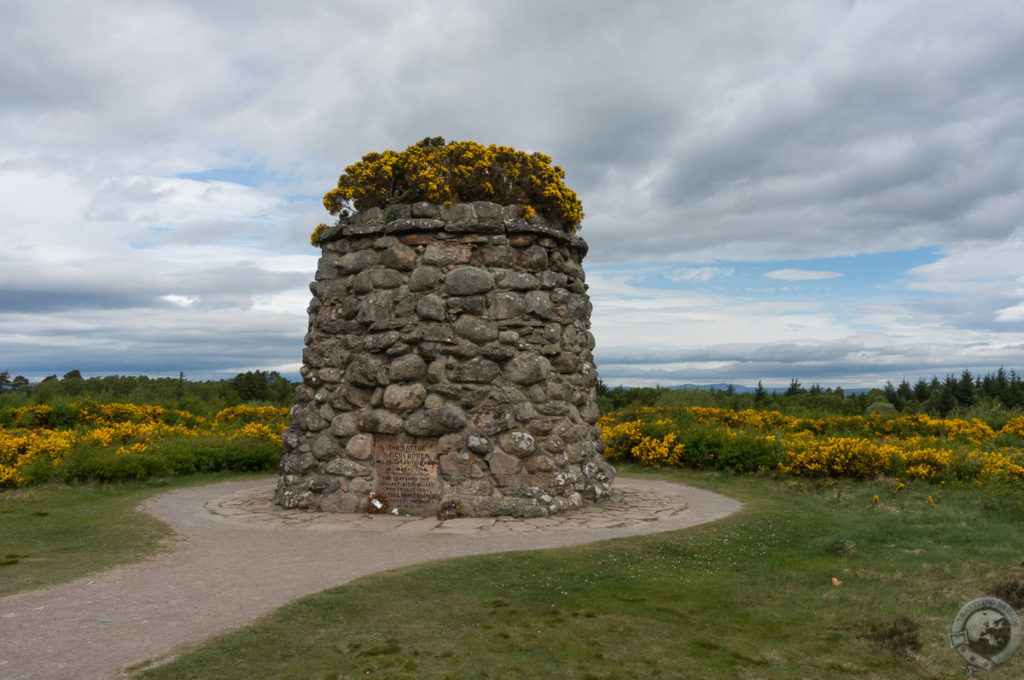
x=621, y=439
x=318, y=234
x=655, y=453
x=458, y=171
x=256, y=431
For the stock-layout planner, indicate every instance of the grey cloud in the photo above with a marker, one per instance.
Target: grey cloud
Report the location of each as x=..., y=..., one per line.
x=852, y=363
x=115, y=287
x=734, y=352
x=883, y=148
x=694, y=131
x=837, y=373
x=156, y=342
x=211, y=361
x=971, y=314
x=45, y=301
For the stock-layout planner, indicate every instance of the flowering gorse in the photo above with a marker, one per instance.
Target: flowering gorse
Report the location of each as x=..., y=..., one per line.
x=438, y=172
x=915, y=447
x=256, y=431
x=126, y=429
x=836, y=457
x=654, y=452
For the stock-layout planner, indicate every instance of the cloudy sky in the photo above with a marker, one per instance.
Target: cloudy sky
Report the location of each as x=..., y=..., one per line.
x=827, y=190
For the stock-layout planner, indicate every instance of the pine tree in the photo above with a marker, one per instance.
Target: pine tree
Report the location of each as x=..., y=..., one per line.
x=760, y=394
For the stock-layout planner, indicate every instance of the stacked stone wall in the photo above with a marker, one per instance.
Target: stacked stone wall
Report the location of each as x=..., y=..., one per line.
x=454, y=339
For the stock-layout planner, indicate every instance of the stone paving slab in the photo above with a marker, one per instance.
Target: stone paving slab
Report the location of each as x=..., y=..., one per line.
x=631, y=503
x=236, y=557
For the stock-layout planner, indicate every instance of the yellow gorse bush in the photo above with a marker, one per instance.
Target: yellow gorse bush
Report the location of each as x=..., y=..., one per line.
x=657, y=452
x=621, y=439
x=1014, y=426
x=974, y=430
x=250, y=414
x=837, y=457
x=89, y=414
x=762, y=420
x=257, y=431
x=1000, y=468
x=19, y=448
x=913, y=446
x=654, y=442
x=128, y=429
x=438, y=172
x=34, y=415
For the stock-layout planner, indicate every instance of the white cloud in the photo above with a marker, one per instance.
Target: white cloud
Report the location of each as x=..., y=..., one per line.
x=1011, y=314
x=180, y=300
x=638, y=318
x=699, y=134
x=700, y=273
x=801, y=275
x=654, y=335
x=990, y=269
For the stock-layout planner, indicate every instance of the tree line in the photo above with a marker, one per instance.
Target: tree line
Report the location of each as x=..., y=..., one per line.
x=966, y=395
x=267, y=387
x=957, y=393
x=993, y=396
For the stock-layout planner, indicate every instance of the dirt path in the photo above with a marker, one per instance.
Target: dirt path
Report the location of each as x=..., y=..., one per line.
x=237, y=557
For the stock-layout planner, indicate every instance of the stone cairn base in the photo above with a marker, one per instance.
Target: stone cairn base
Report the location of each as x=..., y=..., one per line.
x=448, y=361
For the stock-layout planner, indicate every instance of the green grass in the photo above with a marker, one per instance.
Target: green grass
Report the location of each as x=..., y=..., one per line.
x=55, y=533
x=750, y=596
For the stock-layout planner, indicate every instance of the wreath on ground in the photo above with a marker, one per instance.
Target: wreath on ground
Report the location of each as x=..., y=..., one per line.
x=449, y=510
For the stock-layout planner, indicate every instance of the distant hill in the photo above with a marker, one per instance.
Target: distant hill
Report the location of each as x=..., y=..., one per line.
x=743, y=389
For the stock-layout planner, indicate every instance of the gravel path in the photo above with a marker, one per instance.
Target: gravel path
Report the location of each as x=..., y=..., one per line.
x=236, y=557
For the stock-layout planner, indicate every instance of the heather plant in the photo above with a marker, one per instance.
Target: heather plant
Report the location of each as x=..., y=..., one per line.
x=439, y=172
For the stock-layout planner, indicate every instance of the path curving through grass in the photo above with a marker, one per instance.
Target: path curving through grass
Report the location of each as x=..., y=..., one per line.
x=236, y=557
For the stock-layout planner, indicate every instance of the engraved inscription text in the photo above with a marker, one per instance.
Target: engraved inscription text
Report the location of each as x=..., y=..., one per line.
x=407, y=472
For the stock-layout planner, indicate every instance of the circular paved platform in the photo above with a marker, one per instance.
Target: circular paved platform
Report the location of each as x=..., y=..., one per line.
x=236, y=557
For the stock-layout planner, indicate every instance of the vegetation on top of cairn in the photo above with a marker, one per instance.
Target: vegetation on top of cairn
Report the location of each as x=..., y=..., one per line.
x=438, y=172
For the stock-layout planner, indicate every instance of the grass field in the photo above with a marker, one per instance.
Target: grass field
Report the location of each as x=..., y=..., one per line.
x=811, y=579
x=55, y=533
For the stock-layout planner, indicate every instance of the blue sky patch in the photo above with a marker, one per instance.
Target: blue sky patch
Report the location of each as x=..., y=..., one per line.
x=254, y=175
x=847, y=277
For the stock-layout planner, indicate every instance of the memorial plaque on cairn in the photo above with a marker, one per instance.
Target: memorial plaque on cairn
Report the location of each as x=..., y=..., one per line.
x=407, y=473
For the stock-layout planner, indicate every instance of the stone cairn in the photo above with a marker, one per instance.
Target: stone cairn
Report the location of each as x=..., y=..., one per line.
x=448, y=362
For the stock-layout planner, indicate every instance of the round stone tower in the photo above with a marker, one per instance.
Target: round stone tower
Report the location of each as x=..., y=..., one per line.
x=448, y=358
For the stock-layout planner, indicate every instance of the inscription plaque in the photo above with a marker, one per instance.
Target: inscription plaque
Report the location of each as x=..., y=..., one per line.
x=407, y=472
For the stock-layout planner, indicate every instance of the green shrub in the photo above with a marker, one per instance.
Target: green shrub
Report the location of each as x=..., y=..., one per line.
x=883, y=408
x=173, y=457
x=702, y=446
x=750, y=452
x=63, y=416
